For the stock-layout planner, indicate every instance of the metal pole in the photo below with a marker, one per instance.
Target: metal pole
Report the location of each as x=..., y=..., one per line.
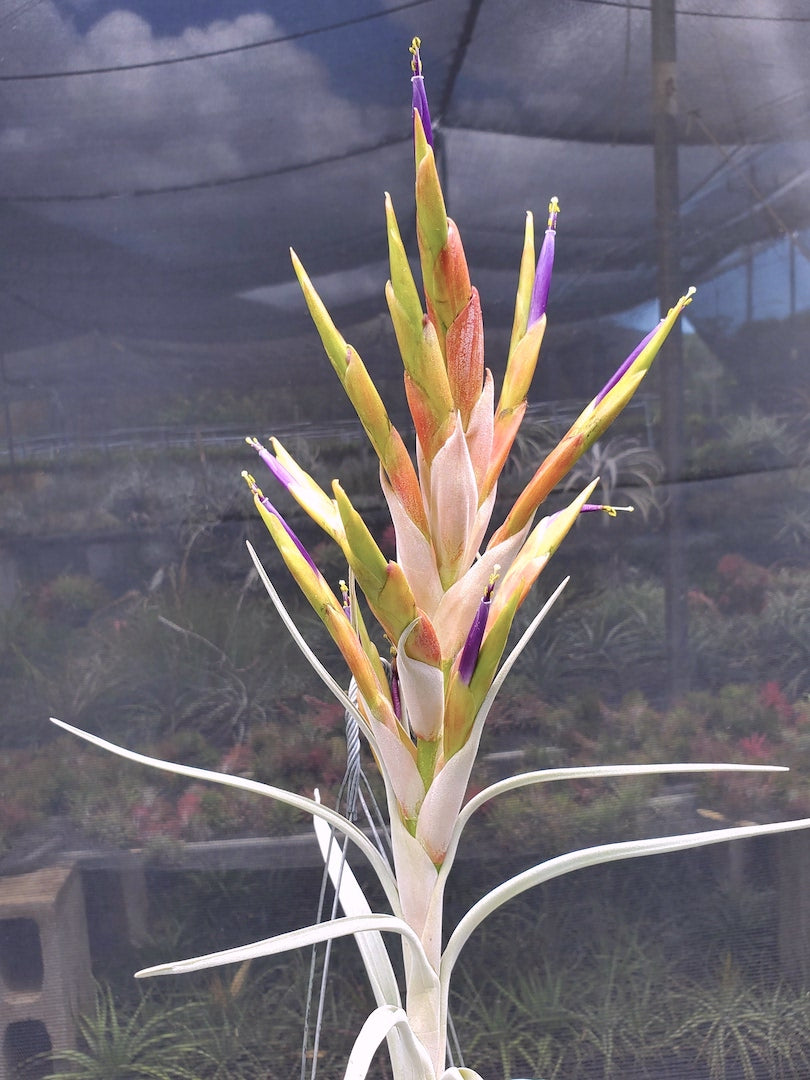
x=670, y=286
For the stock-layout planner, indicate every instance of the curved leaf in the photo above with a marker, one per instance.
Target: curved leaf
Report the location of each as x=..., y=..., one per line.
x=300, y=802
x=293, y=939
x=313, y=660
x=326, y=678
x=377, y=1027
x=593, y=856
x=523, y=641
x=375, y=956
x=588, y=772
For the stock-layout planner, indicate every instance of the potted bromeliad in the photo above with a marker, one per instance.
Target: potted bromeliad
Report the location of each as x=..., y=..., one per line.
x=445, y=605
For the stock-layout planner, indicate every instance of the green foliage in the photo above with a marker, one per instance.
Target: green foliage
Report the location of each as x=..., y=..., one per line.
x=71, y=598
x=752, y=626
x=623, y=982
x=146, y=1044
x=627, y=987
x=755, y=441
x=170, y=657
x=629, y=473
x=497, y=1034
x=724, y=1021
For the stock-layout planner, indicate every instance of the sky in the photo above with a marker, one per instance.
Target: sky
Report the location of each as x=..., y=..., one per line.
x=164, y=18
x=167, y=173
x=168, y=123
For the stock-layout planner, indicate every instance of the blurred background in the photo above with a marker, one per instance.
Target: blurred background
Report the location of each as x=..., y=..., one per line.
x=157, y=160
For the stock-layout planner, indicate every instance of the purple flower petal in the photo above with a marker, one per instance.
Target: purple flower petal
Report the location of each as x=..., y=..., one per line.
x=545, y=264
x=273, y=464
x=472, y=646
x=396, y=696
x=420, y=101
x=268, y=506
x=625, y=367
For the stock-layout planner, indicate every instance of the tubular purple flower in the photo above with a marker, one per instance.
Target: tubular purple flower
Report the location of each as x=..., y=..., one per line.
x=611, y=511
x=472, y=646
x=270, y=509
x=273, y=464
x=545, y=264
x=393, y=682
x=420, y=101
x=628, y=363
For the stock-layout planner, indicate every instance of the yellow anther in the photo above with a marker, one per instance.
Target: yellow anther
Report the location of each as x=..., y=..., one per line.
x=612, y=511
x=251, y=483
x=345, y=598
x=416, y=63
x=493, y=577
x=553, y=210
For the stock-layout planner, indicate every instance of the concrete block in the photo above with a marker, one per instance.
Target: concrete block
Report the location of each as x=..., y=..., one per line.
x=45, y=975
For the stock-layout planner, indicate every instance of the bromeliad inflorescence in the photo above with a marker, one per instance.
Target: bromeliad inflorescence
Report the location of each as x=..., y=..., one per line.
x=448, y=600
x=446, y=603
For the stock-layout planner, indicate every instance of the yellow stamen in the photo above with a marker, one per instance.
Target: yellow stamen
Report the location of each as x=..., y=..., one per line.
x=416, y=63
x=493, y=577
x=251, y=483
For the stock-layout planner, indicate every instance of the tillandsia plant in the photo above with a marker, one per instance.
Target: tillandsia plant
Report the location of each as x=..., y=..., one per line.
x=445, y=604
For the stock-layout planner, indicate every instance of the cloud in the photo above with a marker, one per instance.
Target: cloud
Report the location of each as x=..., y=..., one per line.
x=171, y=124
x=190, y=130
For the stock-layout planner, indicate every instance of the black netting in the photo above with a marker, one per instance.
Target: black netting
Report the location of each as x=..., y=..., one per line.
x=157, y=160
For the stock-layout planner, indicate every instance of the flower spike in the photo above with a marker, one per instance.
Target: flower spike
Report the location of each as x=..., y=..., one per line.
x=528, y=328
x=363, y=395
x=426, y=383
x=589, y=425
